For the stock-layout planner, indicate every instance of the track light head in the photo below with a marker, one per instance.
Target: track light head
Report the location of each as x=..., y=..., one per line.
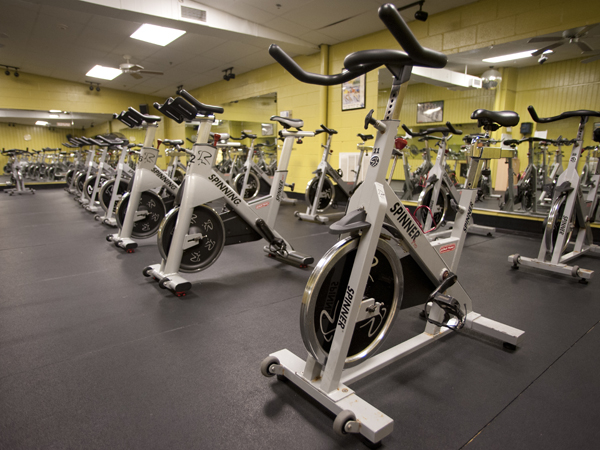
x=16, y=74
x=7, y=72
x=421, y=15
x=229, y=75
x=91, y=87
x=98, y=88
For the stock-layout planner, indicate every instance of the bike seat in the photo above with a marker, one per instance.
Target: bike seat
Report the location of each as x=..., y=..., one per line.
x=145, y=117
x=173, y=142
x=365, y=137
x=288, y=123
x=485, y=117
x=511, y=142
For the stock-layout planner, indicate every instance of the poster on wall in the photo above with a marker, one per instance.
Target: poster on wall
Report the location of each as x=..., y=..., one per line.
x=353, y=93
x=430, y=112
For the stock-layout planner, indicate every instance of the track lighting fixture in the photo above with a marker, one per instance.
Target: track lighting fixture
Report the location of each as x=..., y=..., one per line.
x=229, y=75
x=92, y=84
x=7, y=70
x=420, y=14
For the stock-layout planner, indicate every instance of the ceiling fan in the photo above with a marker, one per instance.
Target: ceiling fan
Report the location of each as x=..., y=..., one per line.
x=572, y=36
x=135, y=69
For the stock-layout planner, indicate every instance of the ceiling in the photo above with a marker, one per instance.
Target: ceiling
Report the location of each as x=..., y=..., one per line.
x=65, y=38
x=471, y=62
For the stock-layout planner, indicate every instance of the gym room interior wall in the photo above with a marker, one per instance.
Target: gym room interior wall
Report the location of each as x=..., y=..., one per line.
x=477, y=25
x=35, y=92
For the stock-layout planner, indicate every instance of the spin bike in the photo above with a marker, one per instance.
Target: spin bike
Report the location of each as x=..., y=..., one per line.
x=113, y=189
x=255, y=178
x=439, y=193
x=351, y=298
x=192, y=236
x=555, y=170
x=527, y=186
x=570, y=211
x=14, y=167
x=323, y=191
x=149, y=208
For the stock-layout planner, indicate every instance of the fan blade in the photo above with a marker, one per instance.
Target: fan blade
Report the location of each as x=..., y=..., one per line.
x=546, y=48
x=545, y=39
x=136, y=75
x=136, y=68
x=584, y=47
x=151, y=72
x=585, y=30
x=591, y=59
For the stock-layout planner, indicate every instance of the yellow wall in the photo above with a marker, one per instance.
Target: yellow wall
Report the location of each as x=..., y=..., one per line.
x=35, y=92
x=477, y=25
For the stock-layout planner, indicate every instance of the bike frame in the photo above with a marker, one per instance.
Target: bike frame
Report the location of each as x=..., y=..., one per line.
x=203, y=184
x=550, y=256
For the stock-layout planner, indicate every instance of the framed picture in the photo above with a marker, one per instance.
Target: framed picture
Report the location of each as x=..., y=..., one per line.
x=430, y=112
x=353, y=93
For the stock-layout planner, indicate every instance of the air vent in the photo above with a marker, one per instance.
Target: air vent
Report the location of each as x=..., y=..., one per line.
x=193, y=14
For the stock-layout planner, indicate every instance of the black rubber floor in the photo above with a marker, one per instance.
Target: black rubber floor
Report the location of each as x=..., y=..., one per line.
x=94, y=355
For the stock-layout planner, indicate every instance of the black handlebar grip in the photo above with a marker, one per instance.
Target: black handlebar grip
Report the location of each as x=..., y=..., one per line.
x=202, y=108
x=394, y=22
x=452, y=129
x=308, y=77
x=411, y=133
x=534, y=115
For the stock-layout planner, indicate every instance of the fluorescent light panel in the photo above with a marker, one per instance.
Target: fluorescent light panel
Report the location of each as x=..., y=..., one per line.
x=42, y=123
x=63, y=124
x=510, y=57
x=105, y=73
x=157, y=35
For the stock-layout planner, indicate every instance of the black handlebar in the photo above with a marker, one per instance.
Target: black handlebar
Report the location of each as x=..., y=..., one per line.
x=359, y=63
x=201, y=107
x=419, y=55
x=444, y=130
x=579, y=113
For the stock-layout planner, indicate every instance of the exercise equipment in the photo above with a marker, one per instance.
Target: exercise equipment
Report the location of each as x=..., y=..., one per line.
x=440, y=195
x=256, y=177
x=14, y=167
x=570, y=211
x=327, y=188
x=351, y=298
x=113, y=189
x=143, y=219
x=192, y=235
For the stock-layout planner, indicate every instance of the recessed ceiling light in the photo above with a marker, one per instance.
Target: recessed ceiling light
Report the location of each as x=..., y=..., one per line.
x=106, y=73
x=53, y=116
x=42, y=122
x=63, y=124
x=510, y=57
x=55, y=111
x=157, y=35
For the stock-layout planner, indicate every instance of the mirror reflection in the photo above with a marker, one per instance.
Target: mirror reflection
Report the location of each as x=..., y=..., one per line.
x=554, y=76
